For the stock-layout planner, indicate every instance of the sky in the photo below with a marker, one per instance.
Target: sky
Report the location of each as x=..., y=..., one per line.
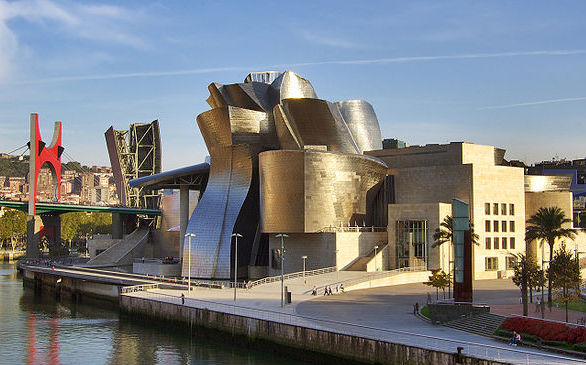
x=506, y=73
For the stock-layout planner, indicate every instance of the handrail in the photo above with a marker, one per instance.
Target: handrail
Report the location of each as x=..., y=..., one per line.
x=346, y=328
x=272, y=279
x=135, y=288
x=352, y=229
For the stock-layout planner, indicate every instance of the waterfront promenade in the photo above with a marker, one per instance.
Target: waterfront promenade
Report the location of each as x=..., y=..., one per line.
x=384, y=313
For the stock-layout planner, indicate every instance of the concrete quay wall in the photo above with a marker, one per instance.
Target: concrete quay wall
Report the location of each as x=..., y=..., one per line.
x=333, y=346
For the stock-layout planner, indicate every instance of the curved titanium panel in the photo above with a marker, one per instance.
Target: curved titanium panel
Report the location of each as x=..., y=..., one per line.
x=287, y=134
x=363, y=124
x=539, y=183
x=290, y=85
x=307, y=191
x=319, y=122
x=214, y=217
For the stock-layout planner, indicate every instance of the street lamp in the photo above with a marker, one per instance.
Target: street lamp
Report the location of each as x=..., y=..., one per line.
x=189, y=235
x=375, y=248
x=282, y=237
x=235, y=261
x=304, y=258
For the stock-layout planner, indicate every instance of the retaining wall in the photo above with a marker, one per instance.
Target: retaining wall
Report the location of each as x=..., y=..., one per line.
x=333, y=345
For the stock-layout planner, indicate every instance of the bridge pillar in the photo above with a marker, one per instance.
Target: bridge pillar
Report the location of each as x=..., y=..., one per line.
x=117, y=226
x=39, y=226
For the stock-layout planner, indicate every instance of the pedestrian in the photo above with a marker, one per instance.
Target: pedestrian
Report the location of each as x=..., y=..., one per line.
x=337, y=288
x=330, y=291
x=326, y=290
x=538, y=305
x=342, y=287
x=314, y=291
x=516, y=340
x=182, y=299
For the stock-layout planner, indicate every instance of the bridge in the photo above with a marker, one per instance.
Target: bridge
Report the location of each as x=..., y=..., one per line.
x=58, y=208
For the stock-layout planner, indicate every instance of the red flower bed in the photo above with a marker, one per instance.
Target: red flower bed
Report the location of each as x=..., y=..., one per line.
x=549, y=331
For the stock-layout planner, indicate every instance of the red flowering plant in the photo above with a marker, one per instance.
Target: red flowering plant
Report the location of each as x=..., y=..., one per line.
x=546, y=330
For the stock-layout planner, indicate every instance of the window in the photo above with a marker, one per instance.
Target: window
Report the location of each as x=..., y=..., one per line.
x=510, y=262
x=512, y=243
x=487, y=243
x=411, y=238
x=504, y=243
x=496, y=243
x=503, y=209
x=487, y=226
x=512, y=226
x=495, y=226
x=503, y=226
x=495, y=208
x=487, y=208
x=512, y=209
x=491, y=263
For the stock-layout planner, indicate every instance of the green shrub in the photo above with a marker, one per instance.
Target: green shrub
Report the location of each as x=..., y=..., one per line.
x=503, y=333
x=425, y=311
x=554, y=343
x=580, y=346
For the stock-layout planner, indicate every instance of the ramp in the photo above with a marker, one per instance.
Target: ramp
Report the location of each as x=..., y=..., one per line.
x=123, y=252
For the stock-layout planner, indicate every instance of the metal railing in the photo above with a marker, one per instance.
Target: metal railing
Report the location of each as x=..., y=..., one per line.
x=353, y=229
x=472, y=349
x=137, y=288
x=300, y=274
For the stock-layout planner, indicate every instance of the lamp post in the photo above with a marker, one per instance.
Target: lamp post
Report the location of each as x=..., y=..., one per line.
x=375, y=267
x=236, y=235
x=542, y=304
x=282, y=237
x=304, y=258
x=189, y=235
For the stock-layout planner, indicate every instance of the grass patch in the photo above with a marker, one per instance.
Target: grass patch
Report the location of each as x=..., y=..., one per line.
x=575, y=305
x=425, y=311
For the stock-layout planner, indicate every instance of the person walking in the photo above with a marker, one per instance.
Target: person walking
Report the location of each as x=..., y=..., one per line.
x=182, y=299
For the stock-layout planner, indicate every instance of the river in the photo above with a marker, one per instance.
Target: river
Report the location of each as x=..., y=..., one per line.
x=37, y=329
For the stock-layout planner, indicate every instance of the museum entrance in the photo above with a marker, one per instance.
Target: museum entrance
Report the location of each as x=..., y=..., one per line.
x=411, y=243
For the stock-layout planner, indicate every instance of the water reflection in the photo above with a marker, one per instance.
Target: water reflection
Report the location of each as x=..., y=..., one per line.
x=37, y=329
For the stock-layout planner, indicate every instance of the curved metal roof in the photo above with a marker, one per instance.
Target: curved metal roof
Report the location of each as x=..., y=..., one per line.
x=195, y=177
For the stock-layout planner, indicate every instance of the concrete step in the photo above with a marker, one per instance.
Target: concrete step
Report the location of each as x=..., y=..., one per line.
x=484, y=324
x=119, y=252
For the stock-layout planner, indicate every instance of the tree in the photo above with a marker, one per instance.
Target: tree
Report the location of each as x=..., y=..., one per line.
x=12, y=223
x=546, y=225
x=564, y=274
x=525, y=277
x=439, y=280
x=445, y=233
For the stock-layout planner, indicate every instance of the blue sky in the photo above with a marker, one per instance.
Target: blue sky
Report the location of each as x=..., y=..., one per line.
x=506, y=73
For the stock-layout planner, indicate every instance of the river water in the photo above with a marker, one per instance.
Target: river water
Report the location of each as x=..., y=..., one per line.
x=37, y=329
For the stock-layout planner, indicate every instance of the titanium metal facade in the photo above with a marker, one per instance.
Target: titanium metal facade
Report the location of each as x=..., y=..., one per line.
x=311, y=175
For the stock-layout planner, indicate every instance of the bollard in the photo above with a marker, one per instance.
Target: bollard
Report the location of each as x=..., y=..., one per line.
x=459, y=355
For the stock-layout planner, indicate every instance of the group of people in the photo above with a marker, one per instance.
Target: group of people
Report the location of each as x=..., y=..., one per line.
x=328, y=289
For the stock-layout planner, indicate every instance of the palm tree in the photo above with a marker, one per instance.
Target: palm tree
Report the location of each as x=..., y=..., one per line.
x=444, y=233
x=546, y=225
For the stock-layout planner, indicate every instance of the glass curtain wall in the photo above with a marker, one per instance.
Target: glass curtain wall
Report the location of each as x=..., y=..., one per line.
x=412, y=240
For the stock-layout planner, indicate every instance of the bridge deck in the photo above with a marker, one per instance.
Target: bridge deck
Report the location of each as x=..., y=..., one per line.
x=58, y=208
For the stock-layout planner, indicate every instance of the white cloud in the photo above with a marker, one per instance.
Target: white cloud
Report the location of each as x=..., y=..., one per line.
x=101, y=23
x=531, y=103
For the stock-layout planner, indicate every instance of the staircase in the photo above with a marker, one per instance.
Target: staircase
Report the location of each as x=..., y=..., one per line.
x=123, y=252
x=484, y=324
x=360, y=263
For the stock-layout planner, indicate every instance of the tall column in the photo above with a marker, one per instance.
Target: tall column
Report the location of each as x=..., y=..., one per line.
x=33, y=226
x=183, y=215
x=117, y=226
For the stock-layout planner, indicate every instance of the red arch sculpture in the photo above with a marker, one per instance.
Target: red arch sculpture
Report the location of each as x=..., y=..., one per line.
x=40, y=153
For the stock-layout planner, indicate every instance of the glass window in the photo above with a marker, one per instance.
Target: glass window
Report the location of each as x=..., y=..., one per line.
x=491, y=263
x=510, y=262
x=487, y=208
x=411, y=235
x=512, y=226
x=503, y=209
x=504, y=243
x=512, y=243
x=495, y=226
x=512, y=209
x=487, y=243
x=496, y=243
x=495, y=208
x=487, y=226
x=503, y=226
